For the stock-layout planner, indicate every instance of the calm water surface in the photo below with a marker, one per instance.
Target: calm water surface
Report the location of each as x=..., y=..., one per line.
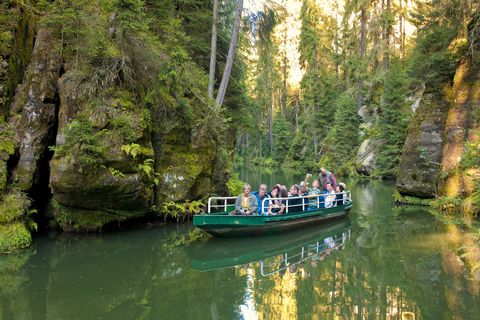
x=380, y=263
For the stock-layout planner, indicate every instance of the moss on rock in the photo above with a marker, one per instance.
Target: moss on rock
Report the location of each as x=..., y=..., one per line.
x=409, y=200
x=14, y=237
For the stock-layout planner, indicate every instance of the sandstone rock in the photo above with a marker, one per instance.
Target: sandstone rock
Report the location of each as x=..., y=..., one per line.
x=100, y=190
x=461, y=125
x=416, y=97
x=419, y=167
x=367, y=156
x=35, y=104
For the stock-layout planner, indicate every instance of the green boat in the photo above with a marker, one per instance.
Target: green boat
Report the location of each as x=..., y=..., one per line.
x=295, y=247
x=218, y=222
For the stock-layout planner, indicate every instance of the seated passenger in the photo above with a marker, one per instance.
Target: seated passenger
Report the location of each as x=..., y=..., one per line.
x=312, y=202
x=276, y=206
x=330, y=196
x=246, y=203
x=261, y=195
x=303, y=192
x=295, y=205
x=340, y=197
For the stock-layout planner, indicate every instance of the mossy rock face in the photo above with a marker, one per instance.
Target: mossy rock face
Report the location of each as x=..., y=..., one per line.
x=35, y=108
x=419, y=167
x=462, y=125
x=119, y=184
x=14, y=237
x=99, y=189
x=185, y=166
x=16, y=44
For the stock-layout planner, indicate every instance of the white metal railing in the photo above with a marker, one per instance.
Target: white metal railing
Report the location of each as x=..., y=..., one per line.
x=225, y=202
x=307, y=252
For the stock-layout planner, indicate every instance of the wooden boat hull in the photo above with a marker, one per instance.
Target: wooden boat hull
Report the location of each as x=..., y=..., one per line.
x=223, y=225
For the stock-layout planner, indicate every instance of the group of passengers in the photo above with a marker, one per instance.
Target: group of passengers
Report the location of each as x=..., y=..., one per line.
x=324, y=193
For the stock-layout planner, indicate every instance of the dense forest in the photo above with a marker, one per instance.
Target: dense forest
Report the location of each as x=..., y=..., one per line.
x=389, y=90
x=106, y=106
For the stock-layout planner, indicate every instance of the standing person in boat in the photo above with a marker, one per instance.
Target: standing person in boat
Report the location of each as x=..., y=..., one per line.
x=246, y=203
x=295, y=205
x=261, y=195
x=330, y=196
x=326, y=176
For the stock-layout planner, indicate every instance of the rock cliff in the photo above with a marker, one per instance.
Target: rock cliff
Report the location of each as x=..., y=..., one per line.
x=443, y=125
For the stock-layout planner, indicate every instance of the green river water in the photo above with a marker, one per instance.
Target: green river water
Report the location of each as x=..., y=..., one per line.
x=383, y=262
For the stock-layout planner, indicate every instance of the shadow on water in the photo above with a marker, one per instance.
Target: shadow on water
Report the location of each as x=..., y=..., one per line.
x=391, y=263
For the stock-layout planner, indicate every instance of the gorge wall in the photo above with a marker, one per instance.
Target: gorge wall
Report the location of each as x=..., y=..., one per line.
x=88, y=141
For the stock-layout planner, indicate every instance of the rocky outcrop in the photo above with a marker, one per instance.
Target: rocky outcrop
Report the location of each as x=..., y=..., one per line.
x=416, y=97
x=367, y=154
x=34, y=110
x=86, y=136
x=436, y=140
x=18, y=37
x=461, y=128
x=419, y=168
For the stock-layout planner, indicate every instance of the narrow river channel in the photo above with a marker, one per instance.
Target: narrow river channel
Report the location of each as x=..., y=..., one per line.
x=382, y=262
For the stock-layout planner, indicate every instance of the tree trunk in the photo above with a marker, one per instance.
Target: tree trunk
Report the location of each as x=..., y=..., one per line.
x=315, y=103
x=284, y=84
x=386, y=38
x=231, y=53
x=297, y=110
x=362, y=49
x=337, y=62
x=270, y=121
x=400, y=28
x=213, y=52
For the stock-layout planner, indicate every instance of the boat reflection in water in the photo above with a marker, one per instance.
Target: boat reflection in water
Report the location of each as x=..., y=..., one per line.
x=276, y=253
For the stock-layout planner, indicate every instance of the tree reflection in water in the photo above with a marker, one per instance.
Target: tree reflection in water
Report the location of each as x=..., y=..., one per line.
x=391, y=263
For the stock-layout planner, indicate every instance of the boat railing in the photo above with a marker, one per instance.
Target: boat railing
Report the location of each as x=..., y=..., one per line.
x=309, y=251
x=324, y=200
x=220, y=203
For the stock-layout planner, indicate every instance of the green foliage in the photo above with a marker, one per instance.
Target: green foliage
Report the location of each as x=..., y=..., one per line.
x=342, y=141
x=181, y=211
x=281, y=137
x=83, y=145
x=471, y=158
x=393, y=120
x=7, y=143
x=234, y=184
x=401, y=199
x=14, y=206
x=13, y=237
x=448, y=205
x=433, y=59
x=135, y=149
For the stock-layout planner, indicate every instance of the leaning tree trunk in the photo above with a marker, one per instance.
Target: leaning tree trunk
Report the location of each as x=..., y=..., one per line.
x=231, y=53
x=213, y=53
